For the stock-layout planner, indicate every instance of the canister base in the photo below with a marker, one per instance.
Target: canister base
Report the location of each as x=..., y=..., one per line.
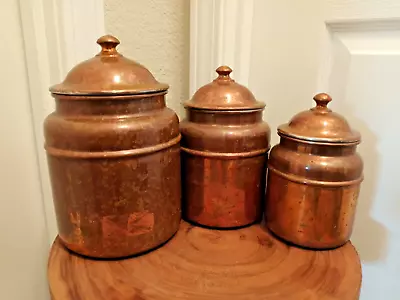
x=220, y=227
x=304, y=245
x=92, y=256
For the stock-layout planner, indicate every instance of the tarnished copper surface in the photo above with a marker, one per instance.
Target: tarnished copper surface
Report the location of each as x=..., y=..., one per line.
x=113, y=155
x=108, y=73
x=224, y=93
x=224, y=154
x=314, y=177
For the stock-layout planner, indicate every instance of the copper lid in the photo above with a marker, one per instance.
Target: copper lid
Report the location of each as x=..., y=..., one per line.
x=320, y=124
x=108, y=73
x=223, y=93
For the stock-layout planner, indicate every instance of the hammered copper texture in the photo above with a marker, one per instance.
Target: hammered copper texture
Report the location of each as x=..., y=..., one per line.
x=225, y=145
x=314, y=179
x=114, y=162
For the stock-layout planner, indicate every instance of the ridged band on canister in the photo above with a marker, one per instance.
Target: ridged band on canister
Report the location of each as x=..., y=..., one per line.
x=226, y=155
x=112, y=154
x=302, y=180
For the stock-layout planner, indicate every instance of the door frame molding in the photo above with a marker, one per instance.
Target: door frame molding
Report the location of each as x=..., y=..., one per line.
x=225, y=38
x=57, y=35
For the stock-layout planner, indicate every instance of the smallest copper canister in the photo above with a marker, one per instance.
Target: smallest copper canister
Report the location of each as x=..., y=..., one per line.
x=224, y=154
x=314, y=177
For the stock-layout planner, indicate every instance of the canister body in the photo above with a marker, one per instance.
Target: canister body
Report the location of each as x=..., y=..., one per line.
x=224, y=156
x=312, y=192
x=115, y=172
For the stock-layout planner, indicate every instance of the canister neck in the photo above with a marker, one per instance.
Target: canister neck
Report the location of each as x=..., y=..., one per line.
x=229, y=118
x=320, y=149
x=99, y=106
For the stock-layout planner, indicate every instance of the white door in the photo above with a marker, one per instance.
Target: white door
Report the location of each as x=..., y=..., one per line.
x=286, y=51
x=350, y=49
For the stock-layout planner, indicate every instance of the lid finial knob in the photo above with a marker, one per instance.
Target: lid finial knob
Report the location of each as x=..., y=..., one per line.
x=224, y=72
x=322, y=100
x=108, y=44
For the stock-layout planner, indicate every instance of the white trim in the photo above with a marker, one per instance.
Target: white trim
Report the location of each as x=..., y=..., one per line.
x=220, y=34
x=57, y=35
x=83, y=24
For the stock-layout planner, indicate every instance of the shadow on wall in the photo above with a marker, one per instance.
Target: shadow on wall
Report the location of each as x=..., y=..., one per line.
x=369, y=236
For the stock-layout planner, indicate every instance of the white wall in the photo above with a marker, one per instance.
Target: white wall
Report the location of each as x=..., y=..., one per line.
x=156, y=34
x=23, y=238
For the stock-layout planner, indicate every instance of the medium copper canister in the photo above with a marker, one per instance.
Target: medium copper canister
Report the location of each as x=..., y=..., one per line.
x=224, y=152
x=113, y=155
x=314, y=177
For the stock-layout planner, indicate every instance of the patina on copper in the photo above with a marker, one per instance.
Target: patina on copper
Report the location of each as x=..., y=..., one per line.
x=224, y=147
x=113, y=155
x=314, y=177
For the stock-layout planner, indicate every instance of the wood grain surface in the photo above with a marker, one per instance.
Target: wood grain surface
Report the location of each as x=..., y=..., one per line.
x=200, y=263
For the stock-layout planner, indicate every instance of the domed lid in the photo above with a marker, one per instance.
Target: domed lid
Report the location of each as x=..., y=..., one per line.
x=320, y=124
x=223, y=93
x=108, y=73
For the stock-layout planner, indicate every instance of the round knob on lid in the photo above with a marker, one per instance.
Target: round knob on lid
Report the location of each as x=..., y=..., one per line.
x=224, y=72
x=322, y=99
x=108, y=44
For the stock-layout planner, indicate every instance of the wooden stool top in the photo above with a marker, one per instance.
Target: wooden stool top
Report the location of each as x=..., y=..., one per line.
x=200, y=263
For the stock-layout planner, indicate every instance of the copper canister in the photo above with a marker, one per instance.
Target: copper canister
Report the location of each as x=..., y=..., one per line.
x=113, y=155
x=314, y=177
x=224, y=152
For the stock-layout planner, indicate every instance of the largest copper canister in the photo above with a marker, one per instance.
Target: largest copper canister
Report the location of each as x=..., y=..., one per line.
x=113, y=156
x=314, y=177
x=224, y=153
